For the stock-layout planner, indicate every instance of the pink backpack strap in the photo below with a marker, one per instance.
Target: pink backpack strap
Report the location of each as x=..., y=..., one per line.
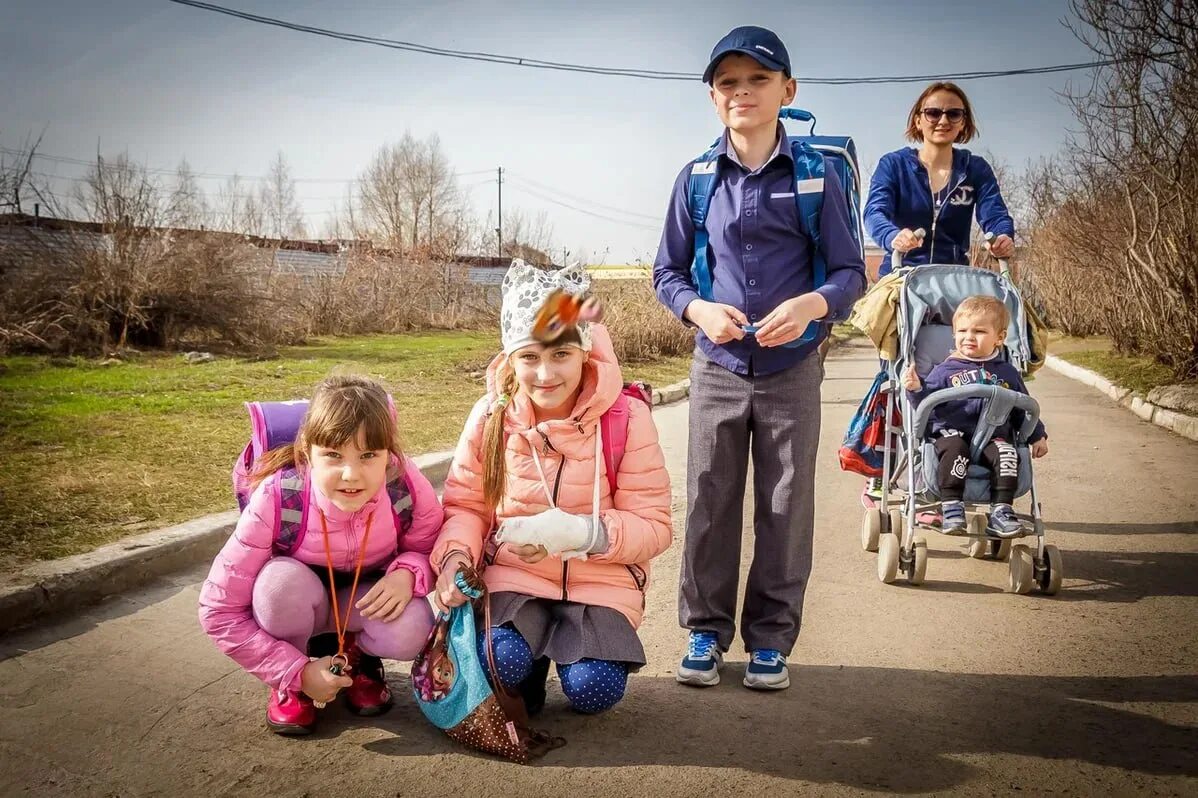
x=614, y=426
x=291, y=490
x=399, y=494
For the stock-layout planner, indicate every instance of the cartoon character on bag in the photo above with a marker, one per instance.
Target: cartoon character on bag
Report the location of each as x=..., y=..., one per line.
x=433, y=675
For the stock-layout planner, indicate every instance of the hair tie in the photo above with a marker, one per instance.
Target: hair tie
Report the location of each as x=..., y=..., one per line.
x=500, y=401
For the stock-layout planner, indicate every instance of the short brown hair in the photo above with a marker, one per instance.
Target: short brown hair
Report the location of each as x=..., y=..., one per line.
x=969, y=129
x=986, y=307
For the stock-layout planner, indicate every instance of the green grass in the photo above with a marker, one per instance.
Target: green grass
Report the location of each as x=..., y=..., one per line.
x=1141, y=374
x=95, y=452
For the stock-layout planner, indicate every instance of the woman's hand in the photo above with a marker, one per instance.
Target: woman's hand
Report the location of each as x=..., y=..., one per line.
x=1002, y=247
x=911, y=379
x=389, y=596
x=906, y=241
x=446, y=592
x=319, y=683
x=1040, y=448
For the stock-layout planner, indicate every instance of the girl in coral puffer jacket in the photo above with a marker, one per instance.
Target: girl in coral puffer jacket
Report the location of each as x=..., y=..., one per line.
x=565, y=546
x=359, y=559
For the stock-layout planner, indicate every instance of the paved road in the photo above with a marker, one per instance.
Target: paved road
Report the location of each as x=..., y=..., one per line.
x=953, y=686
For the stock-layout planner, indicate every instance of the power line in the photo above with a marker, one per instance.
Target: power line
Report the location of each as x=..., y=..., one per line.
x=645, y=74
x=584, y=211
x=575, y=198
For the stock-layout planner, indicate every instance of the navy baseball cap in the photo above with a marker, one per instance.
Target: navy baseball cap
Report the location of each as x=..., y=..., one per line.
x=763, y=45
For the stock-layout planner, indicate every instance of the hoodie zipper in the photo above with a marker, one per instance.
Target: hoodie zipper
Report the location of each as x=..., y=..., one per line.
x=936, y=214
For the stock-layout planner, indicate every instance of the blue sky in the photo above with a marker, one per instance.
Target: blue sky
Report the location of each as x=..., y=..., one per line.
x=164, y=82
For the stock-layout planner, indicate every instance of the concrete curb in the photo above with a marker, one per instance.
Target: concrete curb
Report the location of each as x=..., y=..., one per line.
x=56, y=586
x=1184, y=425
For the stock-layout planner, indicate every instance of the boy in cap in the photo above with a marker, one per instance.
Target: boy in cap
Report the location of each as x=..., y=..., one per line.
x=751, y=395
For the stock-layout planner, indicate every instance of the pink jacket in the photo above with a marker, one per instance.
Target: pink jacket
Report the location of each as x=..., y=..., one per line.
x=225, y=598
x=636, y=515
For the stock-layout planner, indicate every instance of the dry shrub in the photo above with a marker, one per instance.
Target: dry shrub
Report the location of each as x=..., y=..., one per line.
x=641, y=327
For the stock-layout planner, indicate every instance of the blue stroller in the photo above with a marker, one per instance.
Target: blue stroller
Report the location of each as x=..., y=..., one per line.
x=910, y=491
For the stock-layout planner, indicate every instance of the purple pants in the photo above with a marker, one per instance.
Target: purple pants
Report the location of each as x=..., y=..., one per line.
x=291, y=603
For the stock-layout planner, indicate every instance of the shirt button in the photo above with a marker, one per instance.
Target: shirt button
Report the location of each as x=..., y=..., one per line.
x=748, y=247
x=748, y=213
x=752, y=282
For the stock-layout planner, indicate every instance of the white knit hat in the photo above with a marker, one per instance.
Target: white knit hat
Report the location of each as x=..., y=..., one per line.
x=525, y=288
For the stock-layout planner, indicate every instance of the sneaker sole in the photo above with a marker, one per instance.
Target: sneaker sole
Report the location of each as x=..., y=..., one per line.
x=698, y=678
x=289, y=729
x=758, y=684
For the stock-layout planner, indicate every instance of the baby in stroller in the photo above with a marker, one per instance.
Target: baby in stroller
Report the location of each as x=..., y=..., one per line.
x=979, y=331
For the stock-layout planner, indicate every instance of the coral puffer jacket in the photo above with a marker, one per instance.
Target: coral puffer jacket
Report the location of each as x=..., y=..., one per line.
x=636, y=514
x=226, y=613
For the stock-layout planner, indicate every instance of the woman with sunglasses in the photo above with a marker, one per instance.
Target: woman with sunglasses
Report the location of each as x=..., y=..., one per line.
x=936, y=188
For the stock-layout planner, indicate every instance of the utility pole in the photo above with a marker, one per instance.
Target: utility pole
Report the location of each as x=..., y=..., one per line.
x=499, y=230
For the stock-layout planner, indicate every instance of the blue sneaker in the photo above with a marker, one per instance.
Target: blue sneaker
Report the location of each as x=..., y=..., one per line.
x=767, y=670
x=701, y=665
x=1003, y=522
x=952, y=518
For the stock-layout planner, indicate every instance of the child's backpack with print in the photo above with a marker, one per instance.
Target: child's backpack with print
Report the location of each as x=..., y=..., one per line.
x=614, y=426
x=812, y=155
x=275, y=424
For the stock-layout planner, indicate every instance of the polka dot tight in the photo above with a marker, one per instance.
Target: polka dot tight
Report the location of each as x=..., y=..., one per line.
x=590, y=685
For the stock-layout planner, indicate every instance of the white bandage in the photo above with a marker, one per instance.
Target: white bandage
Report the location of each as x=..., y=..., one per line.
x=556, y=530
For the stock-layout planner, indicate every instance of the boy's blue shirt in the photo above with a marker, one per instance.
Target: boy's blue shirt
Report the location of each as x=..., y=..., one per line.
x=900, y=197
x=759, y=256
x=963, y=415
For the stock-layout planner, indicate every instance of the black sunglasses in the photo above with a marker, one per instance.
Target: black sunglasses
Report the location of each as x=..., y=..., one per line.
x=933, y=115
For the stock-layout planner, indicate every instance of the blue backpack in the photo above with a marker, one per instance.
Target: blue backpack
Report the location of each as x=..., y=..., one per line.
x=812, y=156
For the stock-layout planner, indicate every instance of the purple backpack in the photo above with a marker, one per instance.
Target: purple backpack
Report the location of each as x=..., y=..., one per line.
x=274, y=424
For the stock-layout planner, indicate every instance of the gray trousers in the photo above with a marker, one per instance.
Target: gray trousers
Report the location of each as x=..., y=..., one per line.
x=775, y=418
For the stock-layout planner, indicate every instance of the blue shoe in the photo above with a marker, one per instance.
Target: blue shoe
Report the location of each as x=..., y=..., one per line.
x=701, y=665
x=767, y=670
x=1004, y=523
x=952, y=517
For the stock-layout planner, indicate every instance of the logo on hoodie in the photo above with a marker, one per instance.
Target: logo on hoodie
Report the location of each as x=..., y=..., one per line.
x=962, y=196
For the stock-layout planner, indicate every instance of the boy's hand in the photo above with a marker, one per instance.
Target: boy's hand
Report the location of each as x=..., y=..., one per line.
x=1040, y=448
x=905, y=241
x=319, y=683
x=389, y=596
x=787, y=322
x=720, y=323
x=446, y=591
x=911, y=379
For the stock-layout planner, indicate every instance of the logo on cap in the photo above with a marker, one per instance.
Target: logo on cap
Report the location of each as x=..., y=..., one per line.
x=765, y=50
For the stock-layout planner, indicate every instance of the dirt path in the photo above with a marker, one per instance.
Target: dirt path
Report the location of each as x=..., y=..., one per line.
x=953, y=686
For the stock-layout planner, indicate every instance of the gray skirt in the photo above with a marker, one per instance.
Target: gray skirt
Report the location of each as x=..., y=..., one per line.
x=566, y=631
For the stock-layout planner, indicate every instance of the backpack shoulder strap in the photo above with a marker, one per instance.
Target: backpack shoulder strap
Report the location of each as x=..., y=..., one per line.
x=614, y=426
x=399, y=493
x=290, y=490
x=699, y=187
x=809, y=195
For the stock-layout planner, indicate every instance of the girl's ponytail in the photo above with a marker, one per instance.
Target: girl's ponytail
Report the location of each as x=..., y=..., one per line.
x=495, y=441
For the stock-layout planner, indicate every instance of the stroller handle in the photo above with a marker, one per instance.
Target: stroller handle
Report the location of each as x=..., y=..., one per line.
x=896, y=257
x=998, y=409
x=1004, y=266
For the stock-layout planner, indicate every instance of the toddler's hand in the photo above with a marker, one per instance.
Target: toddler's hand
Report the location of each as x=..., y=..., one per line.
x=1040, y=448
x=911, y=379
x=389, y=596
x=321, y=684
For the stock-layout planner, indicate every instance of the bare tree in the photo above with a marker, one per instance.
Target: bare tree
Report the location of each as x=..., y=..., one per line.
x=280, y=205
x=385, y=192
x=19, y=187
x=187, y=203
x=120, y=193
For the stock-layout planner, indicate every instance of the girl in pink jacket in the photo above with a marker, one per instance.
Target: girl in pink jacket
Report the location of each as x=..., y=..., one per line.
x=354, y=569
x=565, y=545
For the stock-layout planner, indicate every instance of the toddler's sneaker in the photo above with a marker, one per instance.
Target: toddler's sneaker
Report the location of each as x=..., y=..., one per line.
x=952, y=517
x=369, y=694
x=1003, y=521
x=767, y=670
x=701, y=665
x=290, y=712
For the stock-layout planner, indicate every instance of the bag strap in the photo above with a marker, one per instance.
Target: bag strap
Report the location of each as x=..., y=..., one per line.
x=700, y=184
x=291, y=491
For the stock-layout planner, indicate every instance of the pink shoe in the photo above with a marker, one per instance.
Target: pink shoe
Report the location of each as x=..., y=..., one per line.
x=369, y=694
x=290, y=712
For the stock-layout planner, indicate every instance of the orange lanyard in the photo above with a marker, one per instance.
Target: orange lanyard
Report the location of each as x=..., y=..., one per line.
x=338, y=624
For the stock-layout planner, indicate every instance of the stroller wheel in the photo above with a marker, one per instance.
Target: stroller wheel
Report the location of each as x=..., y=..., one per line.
x=1049, y=578
x=1000, y=549
x=888, y=559
x=871, y=529
x=919, y=562
x=894, y=523
x=1021, y=579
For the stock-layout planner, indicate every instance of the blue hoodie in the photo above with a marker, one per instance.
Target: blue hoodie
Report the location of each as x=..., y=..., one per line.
x=962, y=415
x=900, y=196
